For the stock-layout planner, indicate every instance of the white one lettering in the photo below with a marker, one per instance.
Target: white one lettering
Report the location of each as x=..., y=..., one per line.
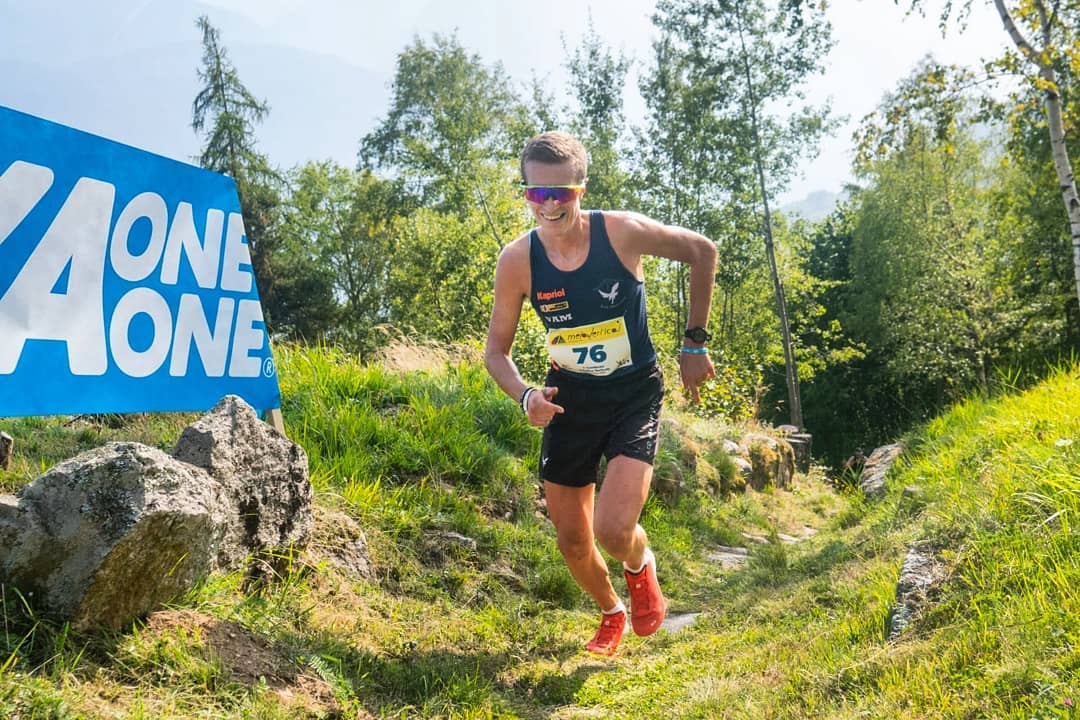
x=203, y=257
x=30, y=310
x=21, y=188
x=140, y=363
x=247, y=337
x=58, y=294
x=233, y=278
x=138, y=267
x=192, y=328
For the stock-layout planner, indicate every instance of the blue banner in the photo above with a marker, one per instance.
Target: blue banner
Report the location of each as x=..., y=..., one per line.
x=125, y=280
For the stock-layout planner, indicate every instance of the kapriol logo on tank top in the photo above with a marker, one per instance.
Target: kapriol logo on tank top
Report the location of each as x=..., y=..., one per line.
x=556, y=306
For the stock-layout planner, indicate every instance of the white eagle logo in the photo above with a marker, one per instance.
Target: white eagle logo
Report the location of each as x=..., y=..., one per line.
x=611, y=294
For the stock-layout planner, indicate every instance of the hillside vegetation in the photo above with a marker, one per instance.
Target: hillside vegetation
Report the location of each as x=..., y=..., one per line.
x=470, y=613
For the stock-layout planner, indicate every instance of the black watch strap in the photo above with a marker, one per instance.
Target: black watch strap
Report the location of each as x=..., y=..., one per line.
x=698, y=334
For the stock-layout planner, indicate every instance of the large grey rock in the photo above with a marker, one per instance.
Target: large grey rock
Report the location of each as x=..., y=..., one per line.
x=263, y=475
x=113, y=533
x=10, y=523
x=920, y=573
x=876, y=467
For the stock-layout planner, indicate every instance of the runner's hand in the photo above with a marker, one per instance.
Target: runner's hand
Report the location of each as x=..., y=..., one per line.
x=541, y=409
x=694, y=370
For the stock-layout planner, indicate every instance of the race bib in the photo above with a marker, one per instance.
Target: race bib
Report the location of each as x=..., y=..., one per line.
x=597, y=349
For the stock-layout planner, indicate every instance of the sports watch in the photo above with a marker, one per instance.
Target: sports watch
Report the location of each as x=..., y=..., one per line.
x=698, y=334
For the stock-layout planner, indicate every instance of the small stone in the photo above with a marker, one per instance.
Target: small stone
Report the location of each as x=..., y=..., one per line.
x=459, y=539
x=872, y=479
x=339, y=540
x=919, y=574
x=730, y=558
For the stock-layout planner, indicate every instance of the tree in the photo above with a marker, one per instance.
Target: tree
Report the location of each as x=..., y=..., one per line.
x=231, y=110
x=1041, y=270
x=1047, y=42
x=340, y=222
x=928, y=270
x=227, y=111
x=451, y=119
x=597, y=77
x=451, y=139
x=742, y=58
x=439, y=283
x=684, y=171
x=849, y=401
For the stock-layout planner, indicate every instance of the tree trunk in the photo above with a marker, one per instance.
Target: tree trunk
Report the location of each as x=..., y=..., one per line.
x=790, y=368
x=1052, y=99
x=1066, y=179
x=7, y=445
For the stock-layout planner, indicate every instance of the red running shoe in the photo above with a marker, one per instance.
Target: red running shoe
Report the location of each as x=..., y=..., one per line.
x=608, y=634
x=647, y=604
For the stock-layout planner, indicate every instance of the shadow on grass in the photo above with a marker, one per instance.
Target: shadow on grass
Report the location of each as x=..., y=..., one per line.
x=442, y=682
x=218, y=664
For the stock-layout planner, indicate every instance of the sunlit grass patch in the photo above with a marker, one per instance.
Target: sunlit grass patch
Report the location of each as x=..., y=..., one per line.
x=470, y=612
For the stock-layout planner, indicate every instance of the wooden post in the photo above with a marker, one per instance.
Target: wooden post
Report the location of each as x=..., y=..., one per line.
x=7, y=445
x=277, y=421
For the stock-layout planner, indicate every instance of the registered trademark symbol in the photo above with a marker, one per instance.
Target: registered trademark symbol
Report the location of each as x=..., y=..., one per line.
x=268, y=367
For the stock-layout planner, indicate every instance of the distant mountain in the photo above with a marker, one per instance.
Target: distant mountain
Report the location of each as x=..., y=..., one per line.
x=140, y=90
x=814, y=207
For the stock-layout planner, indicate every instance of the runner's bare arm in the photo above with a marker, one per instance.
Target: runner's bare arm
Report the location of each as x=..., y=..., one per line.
x=511, y=289
x=639, y=235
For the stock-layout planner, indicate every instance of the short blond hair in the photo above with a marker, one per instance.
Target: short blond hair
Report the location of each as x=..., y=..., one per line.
x=553, y=148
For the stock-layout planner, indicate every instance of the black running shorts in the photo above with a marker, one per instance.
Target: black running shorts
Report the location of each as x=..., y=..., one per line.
x=602, y=418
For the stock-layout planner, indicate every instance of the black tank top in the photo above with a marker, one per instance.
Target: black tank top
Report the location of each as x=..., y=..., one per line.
x=595, y=314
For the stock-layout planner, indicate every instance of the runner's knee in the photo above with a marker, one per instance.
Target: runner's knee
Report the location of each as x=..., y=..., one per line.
x=616, y=538
x=575, y=545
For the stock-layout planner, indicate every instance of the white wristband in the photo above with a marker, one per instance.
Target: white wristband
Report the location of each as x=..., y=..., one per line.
x=525, y=399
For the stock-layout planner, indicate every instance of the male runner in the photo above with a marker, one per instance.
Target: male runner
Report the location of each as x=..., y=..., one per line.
x=582, y=272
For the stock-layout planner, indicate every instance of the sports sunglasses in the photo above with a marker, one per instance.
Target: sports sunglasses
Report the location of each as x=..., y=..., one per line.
x=559, y=193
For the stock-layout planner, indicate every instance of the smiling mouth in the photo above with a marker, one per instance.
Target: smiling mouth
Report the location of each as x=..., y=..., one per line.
x=552, y=218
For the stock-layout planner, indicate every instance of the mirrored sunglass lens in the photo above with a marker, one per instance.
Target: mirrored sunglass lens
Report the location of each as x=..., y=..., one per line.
x=558, y=194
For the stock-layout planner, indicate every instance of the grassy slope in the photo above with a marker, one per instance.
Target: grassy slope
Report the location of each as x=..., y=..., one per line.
x=446, y=629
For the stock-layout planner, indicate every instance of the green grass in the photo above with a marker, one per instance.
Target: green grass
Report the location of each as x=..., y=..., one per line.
x=451, y=629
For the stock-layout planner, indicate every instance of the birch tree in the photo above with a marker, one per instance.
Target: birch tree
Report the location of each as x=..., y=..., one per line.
x=1046, y=37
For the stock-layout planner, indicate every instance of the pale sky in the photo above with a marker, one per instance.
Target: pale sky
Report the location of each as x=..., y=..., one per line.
x=876, y=47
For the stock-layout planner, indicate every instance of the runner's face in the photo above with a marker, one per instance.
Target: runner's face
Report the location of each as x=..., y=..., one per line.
x=551, y=214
